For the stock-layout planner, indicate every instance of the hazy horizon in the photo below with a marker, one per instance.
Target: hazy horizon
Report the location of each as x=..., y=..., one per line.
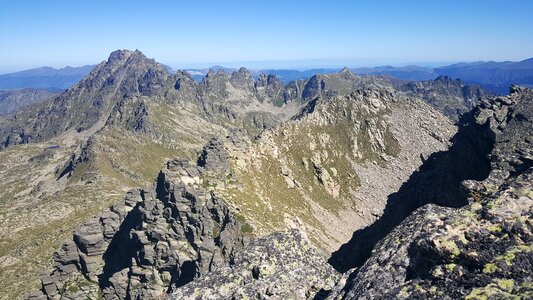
x=299, y=65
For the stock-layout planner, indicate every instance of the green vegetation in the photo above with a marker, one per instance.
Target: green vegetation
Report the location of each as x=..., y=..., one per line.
x=279, y=102
x=246, y=228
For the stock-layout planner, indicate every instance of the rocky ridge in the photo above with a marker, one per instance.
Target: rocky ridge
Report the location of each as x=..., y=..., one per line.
x=479, y=251
x=451, y=97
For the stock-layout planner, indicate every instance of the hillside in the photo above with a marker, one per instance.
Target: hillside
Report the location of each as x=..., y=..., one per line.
x=479, y=251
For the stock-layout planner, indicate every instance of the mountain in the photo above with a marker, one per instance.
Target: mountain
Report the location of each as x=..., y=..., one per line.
x=186, y=234
x=47, y=78
x=14, y=100
x=452, y=97
x=146, y=182
x=494, y=76
x=241, y=187
x=411, y=72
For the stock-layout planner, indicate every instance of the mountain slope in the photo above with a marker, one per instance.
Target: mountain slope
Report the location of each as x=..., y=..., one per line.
x=321, y=169
x=14, y=100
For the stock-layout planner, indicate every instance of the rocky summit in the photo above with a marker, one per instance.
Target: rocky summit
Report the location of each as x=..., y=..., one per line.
x=142, y=183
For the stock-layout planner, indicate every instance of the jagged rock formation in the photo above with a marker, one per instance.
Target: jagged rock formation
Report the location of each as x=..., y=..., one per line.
x=159, y=239
x=13, y=100
x=451, y=97
x=480, y=251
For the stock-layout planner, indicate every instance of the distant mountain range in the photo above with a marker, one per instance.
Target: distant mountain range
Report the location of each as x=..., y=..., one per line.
x=47, y=78
x=493, y=76
x=496, y=77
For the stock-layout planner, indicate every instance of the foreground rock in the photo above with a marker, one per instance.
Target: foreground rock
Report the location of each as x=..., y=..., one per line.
x=279, y=266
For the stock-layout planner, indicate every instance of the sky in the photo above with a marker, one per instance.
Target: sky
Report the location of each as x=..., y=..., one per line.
x=265, y=34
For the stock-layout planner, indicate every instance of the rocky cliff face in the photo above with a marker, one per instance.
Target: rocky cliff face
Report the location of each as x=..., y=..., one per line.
x=479, y=251
x=451, y=97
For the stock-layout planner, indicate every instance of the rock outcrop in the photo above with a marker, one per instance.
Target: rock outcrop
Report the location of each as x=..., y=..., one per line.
x=159, y=239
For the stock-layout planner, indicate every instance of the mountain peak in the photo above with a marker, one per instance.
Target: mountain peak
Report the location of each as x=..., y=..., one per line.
x=345, y=70
x=119, y=55
x=123, y=56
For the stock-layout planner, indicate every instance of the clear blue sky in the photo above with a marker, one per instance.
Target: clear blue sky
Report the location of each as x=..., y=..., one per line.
x=264, y=33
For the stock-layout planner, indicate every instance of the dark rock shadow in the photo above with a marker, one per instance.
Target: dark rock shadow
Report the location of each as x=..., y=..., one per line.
x=121, y=248
x=437, y=181
x=187, y=273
